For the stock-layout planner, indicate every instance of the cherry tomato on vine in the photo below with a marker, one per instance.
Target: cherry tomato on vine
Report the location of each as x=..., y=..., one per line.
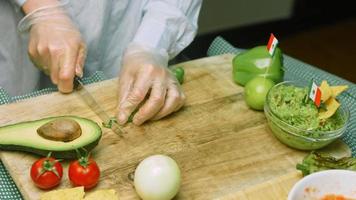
x=84, y=172
x=47, y=172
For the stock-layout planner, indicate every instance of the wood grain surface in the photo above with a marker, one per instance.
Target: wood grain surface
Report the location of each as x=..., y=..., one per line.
x=224, y=149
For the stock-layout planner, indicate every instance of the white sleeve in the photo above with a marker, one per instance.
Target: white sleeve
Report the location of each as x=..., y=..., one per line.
x=169, y=25
x=19, y=2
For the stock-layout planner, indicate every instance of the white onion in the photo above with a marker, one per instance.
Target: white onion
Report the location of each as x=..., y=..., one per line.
x=157, y=178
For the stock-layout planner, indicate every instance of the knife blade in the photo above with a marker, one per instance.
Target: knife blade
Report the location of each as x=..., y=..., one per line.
x=95, y=106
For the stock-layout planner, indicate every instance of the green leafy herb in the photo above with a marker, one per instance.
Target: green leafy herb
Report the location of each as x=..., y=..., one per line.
x=110, y=122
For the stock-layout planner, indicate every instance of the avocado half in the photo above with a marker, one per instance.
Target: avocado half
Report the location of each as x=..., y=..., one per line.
x=23, y=137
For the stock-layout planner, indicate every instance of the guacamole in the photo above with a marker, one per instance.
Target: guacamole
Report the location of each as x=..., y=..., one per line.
x=292, y=105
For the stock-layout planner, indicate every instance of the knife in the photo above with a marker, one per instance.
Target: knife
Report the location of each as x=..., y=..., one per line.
x=95, y=106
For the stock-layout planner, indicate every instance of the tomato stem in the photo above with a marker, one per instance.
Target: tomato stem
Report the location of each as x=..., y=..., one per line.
x=83, y=158
x=49, y=154
x=48, y=165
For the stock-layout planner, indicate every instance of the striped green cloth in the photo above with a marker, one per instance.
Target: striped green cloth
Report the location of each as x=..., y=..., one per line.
x=297, y=70
x=8, y=189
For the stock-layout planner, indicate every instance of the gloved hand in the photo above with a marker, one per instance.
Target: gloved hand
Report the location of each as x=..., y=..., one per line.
x=55, y=45
x=147, y=83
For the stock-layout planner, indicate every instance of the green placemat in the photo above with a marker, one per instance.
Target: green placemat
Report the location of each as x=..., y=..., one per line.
x=297, y=70
x=8, y=189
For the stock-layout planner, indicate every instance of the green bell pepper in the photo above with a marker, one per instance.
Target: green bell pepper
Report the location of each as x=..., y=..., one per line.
x=258, y=62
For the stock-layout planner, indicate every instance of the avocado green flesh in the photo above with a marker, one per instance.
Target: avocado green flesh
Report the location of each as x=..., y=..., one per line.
x=23, y=137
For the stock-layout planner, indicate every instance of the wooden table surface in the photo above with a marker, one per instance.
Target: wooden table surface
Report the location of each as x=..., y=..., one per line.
x=224, y=149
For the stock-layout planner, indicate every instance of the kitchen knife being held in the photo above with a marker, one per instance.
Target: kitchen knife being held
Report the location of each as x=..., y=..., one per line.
x=146, y=84
x=135, y=42
x=55, y=44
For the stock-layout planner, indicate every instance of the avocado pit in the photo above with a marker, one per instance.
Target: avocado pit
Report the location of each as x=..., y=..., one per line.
x=64, y=130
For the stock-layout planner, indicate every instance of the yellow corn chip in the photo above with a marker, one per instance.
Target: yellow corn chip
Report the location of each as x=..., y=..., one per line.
x=336, y=90
x=109, y=194
x=331, y=105
x=326, y=91
x=76, y=193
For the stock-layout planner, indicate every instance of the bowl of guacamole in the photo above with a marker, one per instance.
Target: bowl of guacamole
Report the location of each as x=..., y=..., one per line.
x=294, y=119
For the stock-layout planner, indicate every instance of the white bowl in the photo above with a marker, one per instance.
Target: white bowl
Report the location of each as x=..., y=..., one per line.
x=330, y=182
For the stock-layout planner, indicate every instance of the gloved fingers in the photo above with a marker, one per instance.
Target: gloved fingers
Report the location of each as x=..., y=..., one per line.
x=39, y=55
x=42, y=63
x=54, y=68
x=141, y=85
x=174, y=101
x=80, y=60
x=67, y=67
x=181, y=93
x=153, y=104
x=32, y=51
x=125, y=87
x=45, y=64
x=181, y=103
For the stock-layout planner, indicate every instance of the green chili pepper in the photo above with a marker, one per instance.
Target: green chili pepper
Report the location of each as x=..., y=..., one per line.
x=179, y=73
x=132, y=115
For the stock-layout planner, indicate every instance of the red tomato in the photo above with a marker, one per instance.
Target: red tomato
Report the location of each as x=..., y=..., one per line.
x=84, y=172
x=46, y=173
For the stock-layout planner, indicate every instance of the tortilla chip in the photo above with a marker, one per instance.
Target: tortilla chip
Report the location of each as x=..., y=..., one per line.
x=336, y=90
x=109, y=194
x=76, y=193
x=326, y=91
x=331, y=105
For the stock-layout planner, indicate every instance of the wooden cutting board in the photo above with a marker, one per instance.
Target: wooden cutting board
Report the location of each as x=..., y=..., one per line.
x=224, y=149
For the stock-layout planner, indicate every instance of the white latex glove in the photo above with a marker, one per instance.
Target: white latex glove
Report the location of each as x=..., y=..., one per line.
x=147, y=83
x=55, y=45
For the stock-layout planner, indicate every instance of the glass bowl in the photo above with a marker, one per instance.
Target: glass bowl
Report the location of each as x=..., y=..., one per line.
x=297, y=137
